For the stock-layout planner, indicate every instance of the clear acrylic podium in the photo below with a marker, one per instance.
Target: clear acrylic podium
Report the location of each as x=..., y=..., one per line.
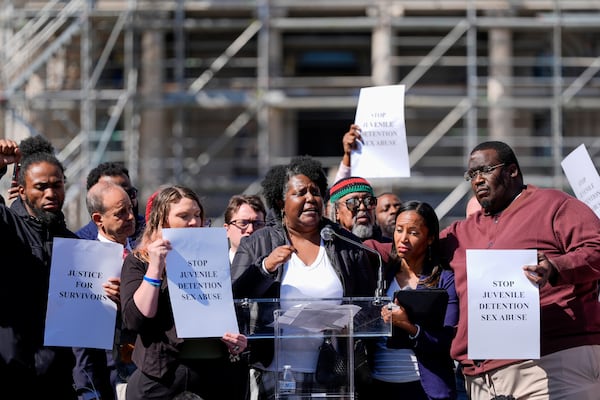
x=303, y=324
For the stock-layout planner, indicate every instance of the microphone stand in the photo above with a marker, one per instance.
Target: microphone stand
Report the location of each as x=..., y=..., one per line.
x=327, y=234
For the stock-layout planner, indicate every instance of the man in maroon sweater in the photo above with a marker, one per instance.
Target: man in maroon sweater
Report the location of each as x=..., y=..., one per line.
x=566, y=233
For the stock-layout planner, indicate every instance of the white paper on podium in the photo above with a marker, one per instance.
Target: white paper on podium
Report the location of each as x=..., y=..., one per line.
x=79, y=313
x=384, y=151
x=199, y=279
x=318, y=316
x=583, y=177
x=503, y=305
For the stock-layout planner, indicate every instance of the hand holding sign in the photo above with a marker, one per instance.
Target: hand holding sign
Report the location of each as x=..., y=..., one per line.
x=382, y=151
x=583, y=177
x=198, y=275
x=541, y=272
x=81, y=313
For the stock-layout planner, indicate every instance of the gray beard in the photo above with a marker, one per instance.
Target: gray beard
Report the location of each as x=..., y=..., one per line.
x=363, y=231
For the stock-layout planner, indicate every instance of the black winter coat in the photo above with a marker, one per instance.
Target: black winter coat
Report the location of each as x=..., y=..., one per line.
x=250, y=281
x=26, y=248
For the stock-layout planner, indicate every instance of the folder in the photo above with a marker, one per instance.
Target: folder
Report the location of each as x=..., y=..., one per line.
x=425, y=307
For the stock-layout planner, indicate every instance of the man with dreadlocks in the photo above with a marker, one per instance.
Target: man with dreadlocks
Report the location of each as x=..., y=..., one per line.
x=27, y=230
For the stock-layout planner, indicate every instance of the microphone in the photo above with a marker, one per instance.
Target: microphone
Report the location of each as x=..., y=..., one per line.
x=327, y=234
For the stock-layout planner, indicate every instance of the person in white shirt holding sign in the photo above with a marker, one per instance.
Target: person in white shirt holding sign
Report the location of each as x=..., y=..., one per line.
x=97, y=372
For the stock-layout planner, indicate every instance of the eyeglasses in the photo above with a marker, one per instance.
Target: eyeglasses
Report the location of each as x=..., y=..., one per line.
x=244, y=223
x=132, y=192
x=353, y=203
x=484, y=171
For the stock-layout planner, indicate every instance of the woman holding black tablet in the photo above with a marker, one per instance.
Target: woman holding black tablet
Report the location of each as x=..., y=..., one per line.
x=415, y=362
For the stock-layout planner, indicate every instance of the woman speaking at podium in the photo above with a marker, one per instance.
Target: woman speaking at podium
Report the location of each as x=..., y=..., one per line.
x=290, y=260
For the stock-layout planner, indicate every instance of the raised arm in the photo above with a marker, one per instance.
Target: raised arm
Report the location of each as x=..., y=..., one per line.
x=349, y=142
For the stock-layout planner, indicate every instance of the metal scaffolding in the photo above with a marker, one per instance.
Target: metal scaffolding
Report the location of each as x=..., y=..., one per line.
x=212, y=93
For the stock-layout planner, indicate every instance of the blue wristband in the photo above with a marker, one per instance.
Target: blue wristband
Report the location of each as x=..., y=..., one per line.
x=153, y=282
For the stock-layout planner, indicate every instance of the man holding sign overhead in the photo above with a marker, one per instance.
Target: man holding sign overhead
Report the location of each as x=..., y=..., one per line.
x=382, y=150
x=375, y=145
x=566, y=234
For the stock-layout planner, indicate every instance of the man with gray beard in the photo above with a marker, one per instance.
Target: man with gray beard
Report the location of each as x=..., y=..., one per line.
x=352, y=205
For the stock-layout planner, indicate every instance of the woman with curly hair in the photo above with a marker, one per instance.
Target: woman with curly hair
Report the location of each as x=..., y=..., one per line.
x=290, y=261
x=271, y=190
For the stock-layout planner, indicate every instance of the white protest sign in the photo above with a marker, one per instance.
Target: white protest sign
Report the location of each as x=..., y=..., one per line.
x=199, y=279
x=384, y=151
x=503, y=305
x=79, y=313
x=583, y=177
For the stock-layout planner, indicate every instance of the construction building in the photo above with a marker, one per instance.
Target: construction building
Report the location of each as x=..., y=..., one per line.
x=211, y=93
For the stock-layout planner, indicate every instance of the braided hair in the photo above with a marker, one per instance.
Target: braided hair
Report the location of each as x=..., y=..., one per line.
x=35, y=150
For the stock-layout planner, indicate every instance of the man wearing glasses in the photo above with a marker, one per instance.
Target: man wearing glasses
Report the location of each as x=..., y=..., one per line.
x=98, y=372
x=382, y=217
x=565, y=233
x=118, y=174
x=244, y=215
x=352, y=205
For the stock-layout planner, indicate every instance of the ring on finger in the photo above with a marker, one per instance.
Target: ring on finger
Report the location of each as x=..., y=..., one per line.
x=236, y=348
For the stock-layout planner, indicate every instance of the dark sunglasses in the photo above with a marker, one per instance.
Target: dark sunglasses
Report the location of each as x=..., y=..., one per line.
x=353, y=203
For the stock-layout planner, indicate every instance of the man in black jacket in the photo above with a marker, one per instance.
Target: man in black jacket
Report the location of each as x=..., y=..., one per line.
x=27, y=230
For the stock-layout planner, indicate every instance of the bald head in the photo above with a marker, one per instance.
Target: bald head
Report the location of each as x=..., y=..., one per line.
x=110, y=208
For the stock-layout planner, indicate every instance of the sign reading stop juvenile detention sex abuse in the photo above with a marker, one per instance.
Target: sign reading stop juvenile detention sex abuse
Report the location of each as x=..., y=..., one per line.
x=199, y=278
x=583, y=177
x=503, y=305
x=383, y=151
